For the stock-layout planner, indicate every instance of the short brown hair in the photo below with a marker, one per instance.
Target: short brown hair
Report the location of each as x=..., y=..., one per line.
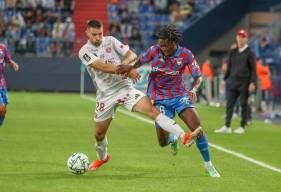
x=94, y=23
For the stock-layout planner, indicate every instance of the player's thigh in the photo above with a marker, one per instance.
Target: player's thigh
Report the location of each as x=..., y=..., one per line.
x=105, y=108
x=101, y=128
x=191, y=118
x=139, y=102
x=145, y=107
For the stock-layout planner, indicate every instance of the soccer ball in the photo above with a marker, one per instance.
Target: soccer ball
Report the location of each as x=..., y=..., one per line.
x=78, y=163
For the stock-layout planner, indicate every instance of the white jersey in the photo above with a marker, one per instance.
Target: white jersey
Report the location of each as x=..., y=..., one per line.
x=110, y=51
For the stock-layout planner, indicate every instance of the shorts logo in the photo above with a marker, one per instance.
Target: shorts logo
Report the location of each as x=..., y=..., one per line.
x=108, y=50
x=185, y=100
x=137, y=96
x=86, y=57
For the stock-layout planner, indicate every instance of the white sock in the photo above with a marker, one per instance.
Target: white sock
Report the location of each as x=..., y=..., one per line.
x=101, y=148
x=169, y=125
x=208, y=163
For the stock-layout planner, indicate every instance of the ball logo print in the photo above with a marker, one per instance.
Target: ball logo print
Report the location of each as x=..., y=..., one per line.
x=78, y=163
x=108, y=50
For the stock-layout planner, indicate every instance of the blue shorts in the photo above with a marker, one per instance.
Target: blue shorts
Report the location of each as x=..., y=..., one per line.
x=3, y=97
x=169, y=107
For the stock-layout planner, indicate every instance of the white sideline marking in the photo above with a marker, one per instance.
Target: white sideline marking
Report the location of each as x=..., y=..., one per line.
x=236, y=154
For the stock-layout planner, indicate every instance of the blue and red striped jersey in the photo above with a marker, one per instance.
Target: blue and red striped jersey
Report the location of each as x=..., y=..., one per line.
x=166, y=77
x=4, y=58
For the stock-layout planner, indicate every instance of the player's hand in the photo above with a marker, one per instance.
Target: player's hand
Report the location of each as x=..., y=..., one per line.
x=123, y=69
x=134, y=75
x=193, y=95
x=251, y=88
x=16, y=67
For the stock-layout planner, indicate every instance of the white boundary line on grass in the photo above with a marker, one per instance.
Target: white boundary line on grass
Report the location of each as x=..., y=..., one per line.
x=236, y=154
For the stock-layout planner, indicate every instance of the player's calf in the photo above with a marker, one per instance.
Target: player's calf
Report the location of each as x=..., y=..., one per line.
x=3, y=111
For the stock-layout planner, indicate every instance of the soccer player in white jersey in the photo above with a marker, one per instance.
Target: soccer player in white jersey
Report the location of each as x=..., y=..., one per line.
x=101, y=55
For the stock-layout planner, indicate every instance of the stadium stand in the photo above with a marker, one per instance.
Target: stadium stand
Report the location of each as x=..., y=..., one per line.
x=147, y=16
x=41, y=28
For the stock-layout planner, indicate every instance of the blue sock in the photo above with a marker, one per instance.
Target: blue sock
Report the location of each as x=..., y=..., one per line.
x=202, y=145
x=2, y=120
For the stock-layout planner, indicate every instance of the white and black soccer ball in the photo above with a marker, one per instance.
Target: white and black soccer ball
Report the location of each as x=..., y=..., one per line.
x=78, y=163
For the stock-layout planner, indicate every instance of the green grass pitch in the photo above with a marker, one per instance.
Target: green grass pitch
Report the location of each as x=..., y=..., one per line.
x=42, y=130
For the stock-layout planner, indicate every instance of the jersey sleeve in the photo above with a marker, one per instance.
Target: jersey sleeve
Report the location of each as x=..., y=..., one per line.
x=87, y=57
x=7, y=56
x=147, y=56
x=119, y=47
x=192, y=64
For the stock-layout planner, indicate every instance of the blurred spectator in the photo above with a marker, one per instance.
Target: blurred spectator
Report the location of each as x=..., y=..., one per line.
x=2, y=5
x=68, y=35
x=161, y=6
x=126, y=31
x=10, y=3
x=57, y=36
x=207, y=70
x=43, y=42
x=114, y=30
x=263, y=74
x=135, y=41
x=18, y=20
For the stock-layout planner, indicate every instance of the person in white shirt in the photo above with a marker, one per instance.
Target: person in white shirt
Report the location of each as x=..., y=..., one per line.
x=101, y=55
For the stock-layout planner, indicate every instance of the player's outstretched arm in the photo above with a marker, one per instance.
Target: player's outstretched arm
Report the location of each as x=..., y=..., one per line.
x=99, y=65
x=123, y=69
x=130, y=57
x=13, y=65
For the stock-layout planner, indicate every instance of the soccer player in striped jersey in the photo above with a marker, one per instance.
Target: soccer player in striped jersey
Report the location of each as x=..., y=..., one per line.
x=101, y=55
x=4, y=59
x=167, y=91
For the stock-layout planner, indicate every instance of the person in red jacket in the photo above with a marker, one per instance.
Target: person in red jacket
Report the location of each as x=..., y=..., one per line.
x=263, y=74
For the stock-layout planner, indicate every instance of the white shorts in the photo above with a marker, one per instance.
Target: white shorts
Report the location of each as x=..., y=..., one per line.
x=106, y=106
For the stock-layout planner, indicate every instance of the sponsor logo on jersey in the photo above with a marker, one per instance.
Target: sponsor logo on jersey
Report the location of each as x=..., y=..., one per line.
x=86, y=57
x=180, y=61
x=1, y=54
x=164, y=71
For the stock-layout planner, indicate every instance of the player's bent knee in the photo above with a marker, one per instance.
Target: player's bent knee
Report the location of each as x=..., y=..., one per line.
x=3, y=110
x=153, y=112
x=99, y=135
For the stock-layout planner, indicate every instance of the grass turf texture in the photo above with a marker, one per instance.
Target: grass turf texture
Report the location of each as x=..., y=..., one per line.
x=42, y=130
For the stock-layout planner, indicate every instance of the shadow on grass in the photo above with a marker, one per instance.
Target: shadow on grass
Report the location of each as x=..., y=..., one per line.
x=109, y=173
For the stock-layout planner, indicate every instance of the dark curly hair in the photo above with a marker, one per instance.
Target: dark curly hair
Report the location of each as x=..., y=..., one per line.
x=171, y=33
